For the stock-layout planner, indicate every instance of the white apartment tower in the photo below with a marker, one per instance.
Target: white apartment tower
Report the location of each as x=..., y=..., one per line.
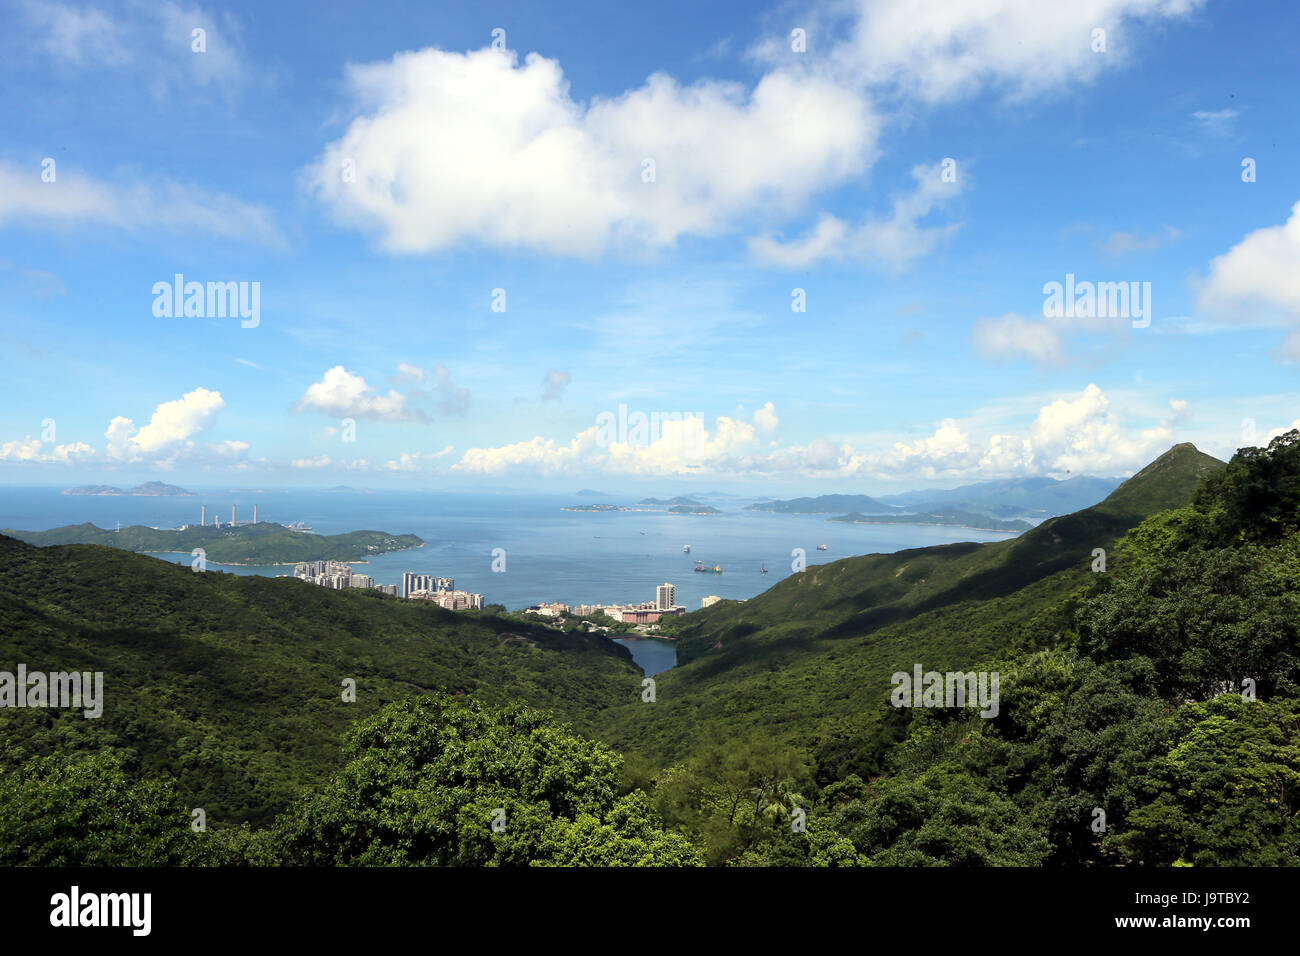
x=665, y=596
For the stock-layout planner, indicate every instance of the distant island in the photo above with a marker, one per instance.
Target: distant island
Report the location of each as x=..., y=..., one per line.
x=261, y=544
x=693, y=509
x=591, y=493
x=963, y=519
x=153, y=489
x=679, y=500
x=824, y=504
x=595, y=508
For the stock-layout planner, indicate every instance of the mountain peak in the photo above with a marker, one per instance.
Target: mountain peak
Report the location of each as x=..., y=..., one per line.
x=1168, y=482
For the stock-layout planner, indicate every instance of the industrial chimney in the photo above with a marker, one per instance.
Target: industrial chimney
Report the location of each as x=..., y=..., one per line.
x=254, y=514
x=232, y=516
x=203, y=515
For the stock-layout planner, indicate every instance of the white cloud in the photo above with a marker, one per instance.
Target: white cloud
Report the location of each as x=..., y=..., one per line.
x=1079, y=433
x=170, y=429
x=948, y=50
x=33, y=450
x=534, y=168
x=891, y=242
x=1014, y=336
x=341, y=394
x=153, y=38
x=319, y=461
x=1260, y=272
x=142, y=205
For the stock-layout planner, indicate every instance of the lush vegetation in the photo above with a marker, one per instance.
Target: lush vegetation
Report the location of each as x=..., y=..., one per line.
x=263, y=543
x=1149, y=713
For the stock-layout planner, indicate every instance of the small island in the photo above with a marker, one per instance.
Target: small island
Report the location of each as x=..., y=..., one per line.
x=265, y=543
x=595, y=508
x=150, y=489
x=693, y=509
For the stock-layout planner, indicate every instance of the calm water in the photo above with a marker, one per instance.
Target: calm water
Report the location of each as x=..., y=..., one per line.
x=651, y=654
x=551, y=555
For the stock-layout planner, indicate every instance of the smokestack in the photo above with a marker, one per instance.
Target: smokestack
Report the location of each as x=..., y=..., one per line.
x=203, y=515
x=232, y=514
x=254, y=514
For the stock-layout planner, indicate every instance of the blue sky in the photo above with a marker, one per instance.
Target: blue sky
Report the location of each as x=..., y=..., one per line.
x=920, y=171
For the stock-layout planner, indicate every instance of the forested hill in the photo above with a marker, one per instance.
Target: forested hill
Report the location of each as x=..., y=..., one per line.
x=233, y=684
x=810, y=656
x=264, y=543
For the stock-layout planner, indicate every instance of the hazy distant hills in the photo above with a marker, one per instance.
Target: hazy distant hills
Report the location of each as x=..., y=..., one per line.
x=943, y=516
x=153, y=489
x=823, y=504
x=1034, y=498
x=1012, y=497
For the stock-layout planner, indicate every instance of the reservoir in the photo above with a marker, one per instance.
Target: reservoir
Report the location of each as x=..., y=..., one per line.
x=652, y=654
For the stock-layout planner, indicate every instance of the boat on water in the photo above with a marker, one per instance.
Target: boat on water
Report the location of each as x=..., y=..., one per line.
x=686, y=549
x=763, y=569
x=821, y=547
x=702, y=568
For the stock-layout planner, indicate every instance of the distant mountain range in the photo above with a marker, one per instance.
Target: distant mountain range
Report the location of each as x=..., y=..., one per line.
x=1011, y=498
x=153, y=489
x=962, y=519
x=824, y=504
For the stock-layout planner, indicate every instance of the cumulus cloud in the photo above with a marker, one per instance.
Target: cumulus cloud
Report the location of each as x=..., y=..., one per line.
x=1079, y=433
x=169, y=431
x=1258, y=279
x=534, y=168
x=31, y=449
x=342, y=394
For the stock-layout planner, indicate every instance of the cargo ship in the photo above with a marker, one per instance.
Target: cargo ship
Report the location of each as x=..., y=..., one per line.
x=686, y=549
x=702, y=568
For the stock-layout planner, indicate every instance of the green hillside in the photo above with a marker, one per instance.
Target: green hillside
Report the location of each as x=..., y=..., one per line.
x=809, y=658
x=257, y=544
x=232, y=684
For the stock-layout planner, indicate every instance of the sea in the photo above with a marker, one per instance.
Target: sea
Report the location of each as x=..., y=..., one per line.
x=550, y=554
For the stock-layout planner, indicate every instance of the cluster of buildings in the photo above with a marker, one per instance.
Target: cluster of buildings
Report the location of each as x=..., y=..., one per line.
x=647, y=612
x=337, y=575
x=416, y=587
